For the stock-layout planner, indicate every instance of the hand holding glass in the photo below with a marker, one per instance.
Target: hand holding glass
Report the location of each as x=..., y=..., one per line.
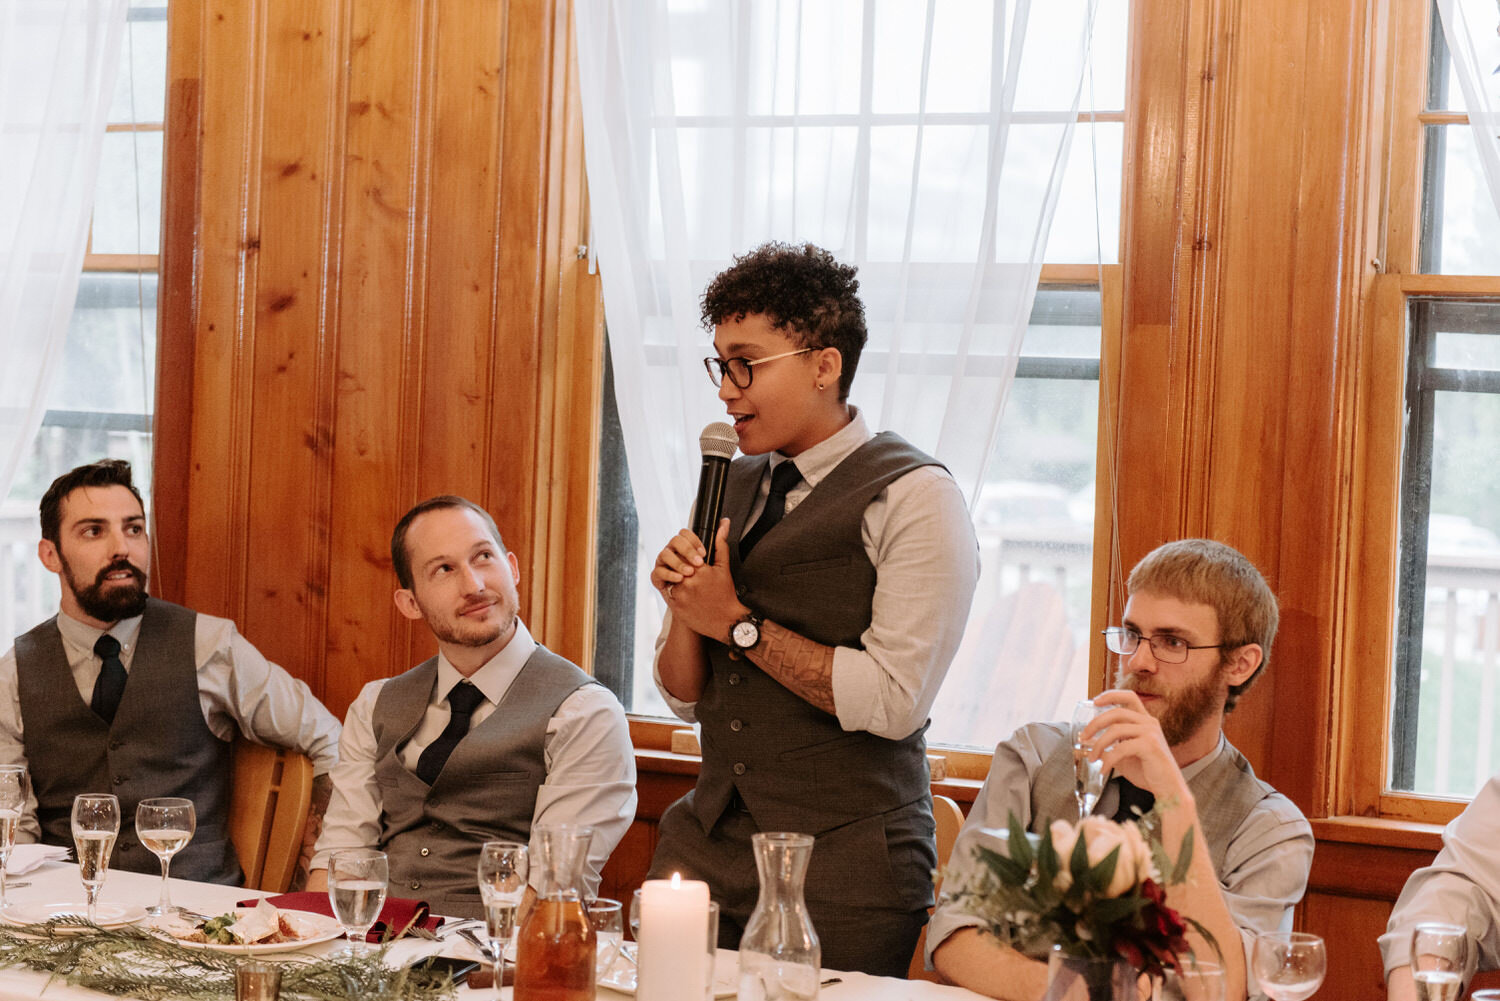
x=503, y=869
x=1289, y=965
x=13, y=789
x=96, y=824
x=1088, y=776
x=356, y=889
x=1438, y=955
x=165, y=825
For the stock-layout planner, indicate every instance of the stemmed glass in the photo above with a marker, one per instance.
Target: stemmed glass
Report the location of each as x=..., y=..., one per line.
x=1088, y=776
x=609, y=933
x=1438, y=955
x=356, y=889
x=164, y=825
x=1194, y=980
x=503, y=869
x=1288, y=964
x=13, y=787
x=96, y=824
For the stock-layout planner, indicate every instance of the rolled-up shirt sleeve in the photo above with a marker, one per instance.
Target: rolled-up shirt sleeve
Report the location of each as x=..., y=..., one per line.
x=921, y=540
x=1462, y=886
x=353, y=816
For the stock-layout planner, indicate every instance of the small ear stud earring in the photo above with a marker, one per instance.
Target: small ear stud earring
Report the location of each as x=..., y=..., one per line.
x=820, y=385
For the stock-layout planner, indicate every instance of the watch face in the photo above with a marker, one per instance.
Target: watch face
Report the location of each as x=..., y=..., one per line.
x=745, y=634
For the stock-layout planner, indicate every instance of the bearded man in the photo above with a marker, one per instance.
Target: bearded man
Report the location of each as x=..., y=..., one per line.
x=158, y=692
x=491, y=738
x=1196, y=633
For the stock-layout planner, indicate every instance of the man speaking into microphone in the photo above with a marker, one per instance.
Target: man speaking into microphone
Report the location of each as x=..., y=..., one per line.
x=810, y=648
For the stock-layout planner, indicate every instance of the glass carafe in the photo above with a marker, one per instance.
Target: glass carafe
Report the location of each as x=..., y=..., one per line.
x=555, y=947
x=779, y=954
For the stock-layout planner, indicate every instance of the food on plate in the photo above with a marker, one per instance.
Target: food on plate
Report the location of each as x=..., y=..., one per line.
x=262, y=924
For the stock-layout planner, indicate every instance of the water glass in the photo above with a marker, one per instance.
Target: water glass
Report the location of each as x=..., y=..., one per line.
x=357, y=879
x=1088, y=776
x=96, y=824
x=1289, y=965
x=164, y=825
x=1438, y=956
x=13, y=791
x=503, y=870
x=604, y=915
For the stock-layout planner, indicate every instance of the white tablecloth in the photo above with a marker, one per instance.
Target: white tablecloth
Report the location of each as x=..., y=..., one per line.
x=57, y=882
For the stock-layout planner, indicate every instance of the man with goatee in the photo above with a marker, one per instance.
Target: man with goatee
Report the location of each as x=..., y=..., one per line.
x=124, y=693
x=1196, y=632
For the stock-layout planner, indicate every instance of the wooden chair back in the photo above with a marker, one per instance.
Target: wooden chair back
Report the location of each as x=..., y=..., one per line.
x=949, y=820
x=269, y=802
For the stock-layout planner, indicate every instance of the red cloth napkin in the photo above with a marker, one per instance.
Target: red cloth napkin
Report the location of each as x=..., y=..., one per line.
x=399, y=913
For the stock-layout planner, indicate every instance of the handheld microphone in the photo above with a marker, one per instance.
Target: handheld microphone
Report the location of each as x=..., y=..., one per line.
x=718, y=442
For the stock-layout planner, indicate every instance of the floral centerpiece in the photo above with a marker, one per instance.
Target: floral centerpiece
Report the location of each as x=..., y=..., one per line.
x=1092, y=892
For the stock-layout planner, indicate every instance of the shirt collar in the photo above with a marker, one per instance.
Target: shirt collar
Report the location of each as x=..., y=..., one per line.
x=1193, y=768
x=495, y=677
x=820, y=460
x=82, y=636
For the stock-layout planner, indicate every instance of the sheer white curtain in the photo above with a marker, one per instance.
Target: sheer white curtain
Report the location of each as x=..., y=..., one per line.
x=1472, y=31
x=923, y=142
x=57, y=69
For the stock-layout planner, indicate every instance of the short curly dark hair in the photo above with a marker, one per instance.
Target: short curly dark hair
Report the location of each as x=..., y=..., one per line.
x=800, y=289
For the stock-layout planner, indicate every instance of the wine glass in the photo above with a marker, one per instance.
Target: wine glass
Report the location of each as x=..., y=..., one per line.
x=1288, y=964
x=96, y=824
x=164, y=825
x=604, y=915
x=503, y=870
x=1439, y=953
x=356, y=889
x=13, y=789
x=1088, y=776
x=1194, y=980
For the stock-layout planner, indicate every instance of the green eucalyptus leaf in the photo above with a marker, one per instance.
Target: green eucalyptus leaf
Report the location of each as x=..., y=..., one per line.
x=1184, y=859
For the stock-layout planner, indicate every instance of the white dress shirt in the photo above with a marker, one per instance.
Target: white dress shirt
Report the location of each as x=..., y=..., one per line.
x=587, y=751
x=918, y=534
x=1462, y=887
x=241, y=692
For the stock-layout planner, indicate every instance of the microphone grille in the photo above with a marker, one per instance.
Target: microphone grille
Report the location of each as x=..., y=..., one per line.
x=719, y=439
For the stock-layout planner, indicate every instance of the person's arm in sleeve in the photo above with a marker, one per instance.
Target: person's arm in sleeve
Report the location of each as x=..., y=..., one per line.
x=353, y=817
x=12, y=747
x=590, y=775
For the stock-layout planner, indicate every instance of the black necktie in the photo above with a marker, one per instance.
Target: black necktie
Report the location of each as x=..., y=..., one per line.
x=463, y=699
x=111, y=683
x=1131, y=798
x=783, y=479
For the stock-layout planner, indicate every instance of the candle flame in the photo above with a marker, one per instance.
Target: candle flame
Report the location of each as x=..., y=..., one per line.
x=676, y=880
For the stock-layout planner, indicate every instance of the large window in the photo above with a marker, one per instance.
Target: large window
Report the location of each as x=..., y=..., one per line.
x=1447, y=664
x=101, y=400
x=1034, y=513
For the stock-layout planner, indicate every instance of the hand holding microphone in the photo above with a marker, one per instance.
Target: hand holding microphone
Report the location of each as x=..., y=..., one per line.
x=693, y=548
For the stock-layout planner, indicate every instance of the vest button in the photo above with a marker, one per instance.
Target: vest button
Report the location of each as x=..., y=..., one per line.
x=416, y=885
x=739, y=768
x=734, y=679
x=119, y=780
x=426, y=852
x=437, y=825
x=114, y=745
x=736, y=725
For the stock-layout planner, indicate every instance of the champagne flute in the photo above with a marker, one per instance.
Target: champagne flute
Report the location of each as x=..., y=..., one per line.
x=1439, y=953
x=96, y=824
x=13, y=788
x=1088, y=776
x=356, y=888
x=165, y=825
x=1288, y=964
x=503, y=870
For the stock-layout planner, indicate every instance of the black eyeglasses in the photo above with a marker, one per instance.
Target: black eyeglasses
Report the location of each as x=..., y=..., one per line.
x=1165, y=647
x=741, y=370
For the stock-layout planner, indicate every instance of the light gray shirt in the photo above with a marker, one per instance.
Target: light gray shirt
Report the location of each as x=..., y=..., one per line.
x=1462, y=887
x=240, y=691
x=587, y=751
x=918, y=534
x=1265, y=867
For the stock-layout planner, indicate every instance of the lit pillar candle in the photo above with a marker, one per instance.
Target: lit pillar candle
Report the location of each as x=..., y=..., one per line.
x=674, y=959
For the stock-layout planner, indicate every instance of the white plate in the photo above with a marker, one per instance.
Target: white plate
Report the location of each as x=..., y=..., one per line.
x=621, y=976
x=109, y=915
x=328, y=930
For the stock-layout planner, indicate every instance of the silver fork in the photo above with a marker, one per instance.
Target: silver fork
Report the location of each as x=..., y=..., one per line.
x=484, y=947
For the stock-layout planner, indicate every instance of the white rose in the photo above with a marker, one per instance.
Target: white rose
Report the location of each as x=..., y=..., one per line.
x=1064, y=835
x=1100, y=837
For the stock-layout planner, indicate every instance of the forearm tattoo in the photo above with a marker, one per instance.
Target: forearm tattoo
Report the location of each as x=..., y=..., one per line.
x=804, y=666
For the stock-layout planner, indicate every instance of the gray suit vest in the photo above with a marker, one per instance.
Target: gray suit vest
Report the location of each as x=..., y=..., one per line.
x=486, y=790
x=1225, y=792
x=794, y=766
x=158, y=744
